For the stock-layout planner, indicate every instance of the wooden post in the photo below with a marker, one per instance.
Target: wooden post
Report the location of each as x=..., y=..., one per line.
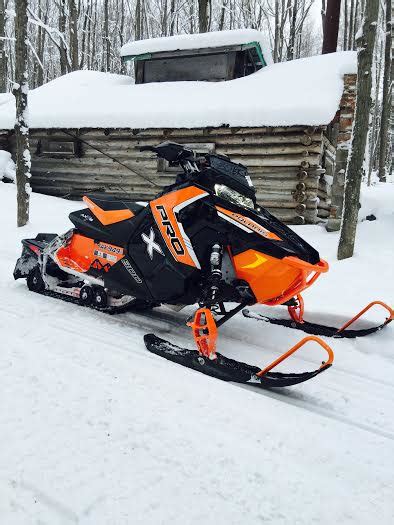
x=21, y=90
x=354, y=172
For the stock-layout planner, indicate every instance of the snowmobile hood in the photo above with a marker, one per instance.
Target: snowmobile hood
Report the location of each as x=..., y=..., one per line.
x=271, y=236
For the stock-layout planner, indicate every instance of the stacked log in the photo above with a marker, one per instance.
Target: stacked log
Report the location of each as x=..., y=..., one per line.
x=284, y=163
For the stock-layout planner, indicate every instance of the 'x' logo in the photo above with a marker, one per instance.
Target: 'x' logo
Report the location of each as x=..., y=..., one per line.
x=151, y=244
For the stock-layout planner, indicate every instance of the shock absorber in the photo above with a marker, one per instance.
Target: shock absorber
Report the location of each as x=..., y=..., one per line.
x=216, y=272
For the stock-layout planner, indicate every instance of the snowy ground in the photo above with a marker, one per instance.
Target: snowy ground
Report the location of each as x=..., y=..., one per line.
x=95, y=430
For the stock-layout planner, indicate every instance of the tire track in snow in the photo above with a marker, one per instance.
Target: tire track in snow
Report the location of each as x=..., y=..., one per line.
x=321, y=411
x=162, y=323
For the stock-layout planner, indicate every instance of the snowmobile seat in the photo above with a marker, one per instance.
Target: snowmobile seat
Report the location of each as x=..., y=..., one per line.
x=110, y=210
x=112, y=203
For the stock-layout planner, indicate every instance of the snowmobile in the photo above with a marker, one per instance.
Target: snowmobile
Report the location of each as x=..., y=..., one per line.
x=203, y=240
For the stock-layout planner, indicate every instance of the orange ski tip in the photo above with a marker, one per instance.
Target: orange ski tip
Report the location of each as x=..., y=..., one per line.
x=107, y=217
x=362, y=312
x=296, y=347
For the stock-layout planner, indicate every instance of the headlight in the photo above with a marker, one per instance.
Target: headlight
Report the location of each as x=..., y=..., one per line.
x=224, y=192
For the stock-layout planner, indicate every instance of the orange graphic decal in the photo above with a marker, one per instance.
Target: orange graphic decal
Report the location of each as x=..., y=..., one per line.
x=164, y=210
x=83, y=253
x=107, y=217
x=249, y=224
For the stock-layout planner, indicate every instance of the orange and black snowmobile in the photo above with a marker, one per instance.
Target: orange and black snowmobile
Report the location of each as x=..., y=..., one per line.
x=203, y=240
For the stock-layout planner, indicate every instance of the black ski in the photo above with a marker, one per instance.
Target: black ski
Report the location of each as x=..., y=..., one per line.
x=224, y=368
x=315, y=328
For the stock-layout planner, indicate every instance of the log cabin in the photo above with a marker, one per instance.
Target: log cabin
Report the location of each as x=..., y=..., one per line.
x=288, y=123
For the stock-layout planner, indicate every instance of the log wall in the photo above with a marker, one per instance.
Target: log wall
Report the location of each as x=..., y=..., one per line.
x=285, y=164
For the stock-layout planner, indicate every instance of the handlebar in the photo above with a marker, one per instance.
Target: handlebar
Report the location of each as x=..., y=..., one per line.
x=174, y=153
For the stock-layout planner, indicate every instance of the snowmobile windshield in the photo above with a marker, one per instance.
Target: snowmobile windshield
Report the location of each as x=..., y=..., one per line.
x=224, y=192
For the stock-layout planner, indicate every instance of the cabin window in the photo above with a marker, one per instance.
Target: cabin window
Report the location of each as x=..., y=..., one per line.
x=198, y=65
x=201, y=148
x=213, y=67
x=58, y=148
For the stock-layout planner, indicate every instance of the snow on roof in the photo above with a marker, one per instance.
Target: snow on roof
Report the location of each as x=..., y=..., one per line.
x=199, y=41
x=301, y=92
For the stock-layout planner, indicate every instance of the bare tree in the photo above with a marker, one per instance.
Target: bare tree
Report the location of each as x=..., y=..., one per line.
x=354, y=171
x=73, y=28
x=107, y=42
x=293, y=15
x=62, y=29
x=21, y=90
x=3, y=56
x=345, y=26
x=203, y=6
x=386, y=100
x=138, y=20
x=331, y=26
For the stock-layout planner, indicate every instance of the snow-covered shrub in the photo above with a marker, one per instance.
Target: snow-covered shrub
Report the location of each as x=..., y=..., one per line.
x=7, y=167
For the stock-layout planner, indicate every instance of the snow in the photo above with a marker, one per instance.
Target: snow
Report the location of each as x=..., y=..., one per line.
x=96, y=430
x=7, y=166
x=199, y=41
x=301, y=92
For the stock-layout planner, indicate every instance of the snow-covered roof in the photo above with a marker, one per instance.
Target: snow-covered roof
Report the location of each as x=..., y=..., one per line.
x=199, y=41
x=301, y=92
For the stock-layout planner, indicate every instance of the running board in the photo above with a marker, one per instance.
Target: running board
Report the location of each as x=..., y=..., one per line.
x=227, y=369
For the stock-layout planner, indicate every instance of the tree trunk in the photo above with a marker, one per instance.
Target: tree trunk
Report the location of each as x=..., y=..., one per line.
x=107, y=43
x=138, y=21
x=73, y=29
x=223, y=14
x=345, y=27
x=292, y=36
x=62, y=29
x=323, y=15
x=331, y=26
x=21, y=90
x=375, y=124
x=386, y=100
x=354, y=171
x=172, y=17
x=164, y=19
x=350, y=42
x=276, y=37
x=203, y=15
x=3, y=56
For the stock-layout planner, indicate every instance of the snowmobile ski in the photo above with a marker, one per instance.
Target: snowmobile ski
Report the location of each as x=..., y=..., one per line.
x=324, y=330
x=226, y=369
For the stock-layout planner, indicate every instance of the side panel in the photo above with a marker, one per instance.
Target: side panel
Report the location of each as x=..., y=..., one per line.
x=267, y=276
x=164, y=210
x=83, y=253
